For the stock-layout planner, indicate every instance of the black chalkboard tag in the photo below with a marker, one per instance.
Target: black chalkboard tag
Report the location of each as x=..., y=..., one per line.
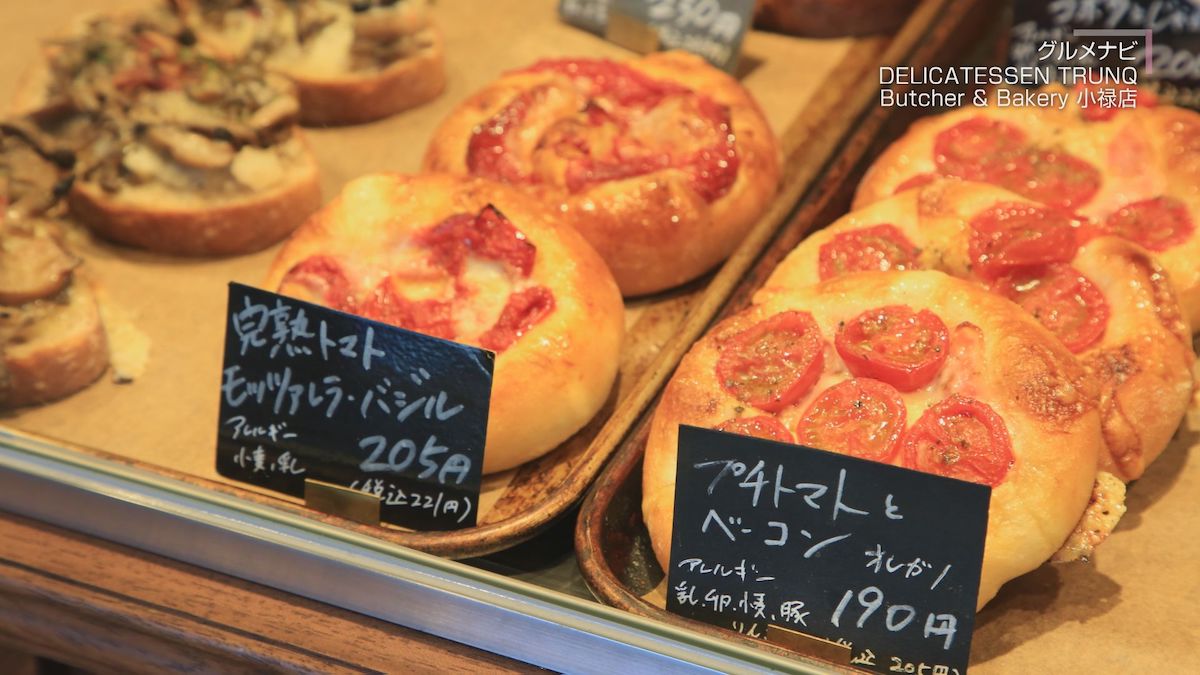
x=770, y=537
x=322, y=402
x=590, y=15
x=1158, y=38
x=711, y=29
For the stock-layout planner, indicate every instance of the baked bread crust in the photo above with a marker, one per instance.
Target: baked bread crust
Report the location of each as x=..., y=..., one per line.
x=1143, y=358
x=355, y=98
x=1039, y=390
x=653, y=230
x=189, y=226
x=565, y=362
x=65, y=351
x=1139, y=154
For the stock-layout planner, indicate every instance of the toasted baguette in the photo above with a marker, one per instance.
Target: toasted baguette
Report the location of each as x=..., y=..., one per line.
x=358, y=97
x=168, y=216
x=62, y=352
x=183, y=224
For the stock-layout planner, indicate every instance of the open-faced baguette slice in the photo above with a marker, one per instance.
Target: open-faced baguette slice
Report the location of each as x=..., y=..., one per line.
x=185, y=154
x=51, y=347
x=52, y=341
x=352, y=62
x=164, y=220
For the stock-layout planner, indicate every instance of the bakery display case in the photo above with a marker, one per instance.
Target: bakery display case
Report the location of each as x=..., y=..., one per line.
x=560, y=570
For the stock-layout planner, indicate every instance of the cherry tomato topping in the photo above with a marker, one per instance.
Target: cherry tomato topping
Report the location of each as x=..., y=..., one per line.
x=1011, y=235
x=960, y=437
x=773, y=363
x=871, y=249
x=521, y=313
x=1062, y=299
x=764, y=426
x=860, y=417
x=320, y=279
x=974, y=149
x=1053, y=178
x=1158, y=224
x=894, y=344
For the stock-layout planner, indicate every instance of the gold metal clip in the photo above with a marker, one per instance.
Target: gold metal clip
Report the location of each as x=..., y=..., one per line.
x=337, y=500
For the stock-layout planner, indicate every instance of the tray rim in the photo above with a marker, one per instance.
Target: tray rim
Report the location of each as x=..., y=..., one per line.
x=42, y=480
x=599, y=578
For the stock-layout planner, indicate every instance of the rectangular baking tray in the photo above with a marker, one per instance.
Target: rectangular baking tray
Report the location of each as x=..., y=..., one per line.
x=165, y=422
x=1124, y=611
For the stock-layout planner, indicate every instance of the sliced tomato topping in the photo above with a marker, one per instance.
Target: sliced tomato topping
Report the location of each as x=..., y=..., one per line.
x=488, y=154
x=431, y=317
x=919, y=180
x=767, y=427
x=895, y=344
x=976, y=148
x=487, y=234
x=1051, y=177
x=960, y=437
x=1012, y=235
x=871, y=249
x=773, y=363
x=1158, y=224
x=521, y=313
x=860, y=417
x=1062, y=299
x=625, y=85
x=1102, y=102
x=320, y=279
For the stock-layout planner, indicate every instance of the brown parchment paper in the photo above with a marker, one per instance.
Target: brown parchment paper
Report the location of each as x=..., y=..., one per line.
x=169, y=416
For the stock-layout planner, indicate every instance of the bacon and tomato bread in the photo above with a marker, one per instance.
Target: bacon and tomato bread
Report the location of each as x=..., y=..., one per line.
x=1105, y=298
x=52, y=341
x=478, y=262
x=968, y=386
x=180, y=152
x=1133, y=172
x=663, y=163
x=352, y=61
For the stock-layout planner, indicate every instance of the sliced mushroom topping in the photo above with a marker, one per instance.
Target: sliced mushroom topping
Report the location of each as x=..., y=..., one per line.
x=31, y=267
x=142, y=162
x=383, y=24
x=280, y=111
x=257, y=169
x=190, y=148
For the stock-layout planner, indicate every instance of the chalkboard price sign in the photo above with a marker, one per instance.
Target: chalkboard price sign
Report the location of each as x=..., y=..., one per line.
x=312, y=393
x=1160, y=39
x=883, y=559
x=711, y=29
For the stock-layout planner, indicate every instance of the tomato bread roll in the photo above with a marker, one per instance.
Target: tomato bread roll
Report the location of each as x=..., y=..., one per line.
x=478, y=262
x=663, y=163
x=1105, y=298
x=973, y=389
x=1133, y=172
